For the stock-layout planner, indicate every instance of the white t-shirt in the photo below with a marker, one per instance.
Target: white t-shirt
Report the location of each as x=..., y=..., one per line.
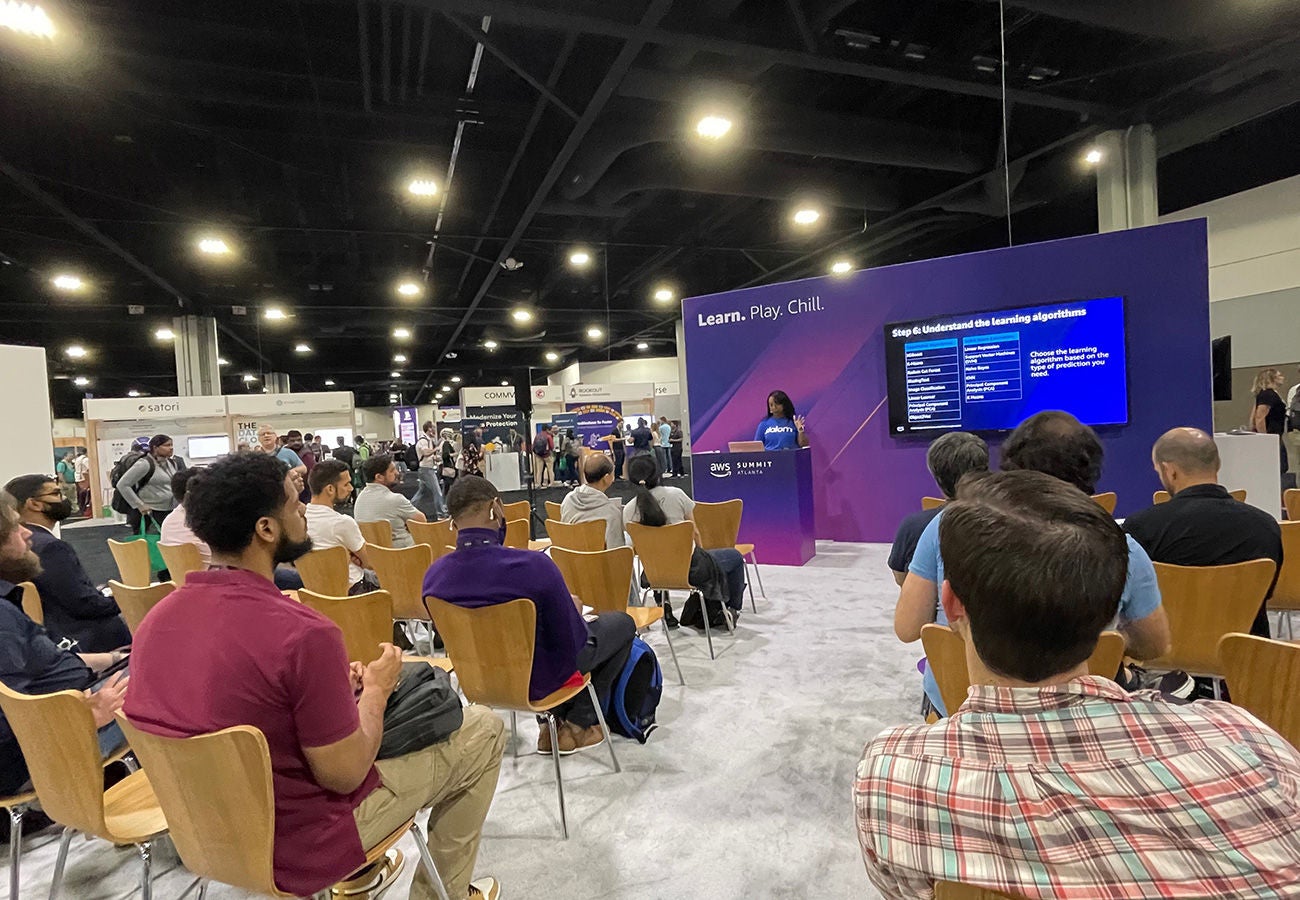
x=82, y=467
x=676, y=505
x=377, y=503
x=329, y=528
x=176, y=530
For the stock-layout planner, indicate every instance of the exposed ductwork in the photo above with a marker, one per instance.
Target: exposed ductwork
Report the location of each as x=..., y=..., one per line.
x=1179, y=21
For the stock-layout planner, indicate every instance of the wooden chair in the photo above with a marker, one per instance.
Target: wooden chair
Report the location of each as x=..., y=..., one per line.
x=133, y=565
x=366, y=620
x=135, y=602
x=1163, y=497
x=378, y=533
x=553, y=511
x=401, y=573
x=719, y=525
x=517, y=510
x=952, y=890
x=1286, y=593
x=945, y=656
x=932, y=502
x=181, y=560
x=325, y=571
x=216, y=789
x=439, y=536
x=517, y=533
x=492, y=650
x=58, y=738
x=665, y=554
x=1107, y=501
x=32, y=604
x=1203, y=604
x=1291, y=500
x=601, y=578
x=1263, y=677
x=585, y=536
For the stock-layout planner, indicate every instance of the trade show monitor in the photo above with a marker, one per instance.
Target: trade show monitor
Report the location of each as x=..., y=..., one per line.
x=208, y=446
x=989, y=371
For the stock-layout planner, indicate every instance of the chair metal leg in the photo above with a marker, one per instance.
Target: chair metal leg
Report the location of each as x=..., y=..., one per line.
x=203, y=889
x=56, y=883
x=426, y=860
x=15, y=847
x=600, y=717
x=753, y=558
x=514, y=733
x=749, y=583
x=1214, y=683
x=559, y=779
x=146, y=876
x=708, y=632
x=673, y=651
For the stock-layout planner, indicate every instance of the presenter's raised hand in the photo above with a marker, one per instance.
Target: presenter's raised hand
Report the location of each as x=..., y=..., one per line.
x=799, y=422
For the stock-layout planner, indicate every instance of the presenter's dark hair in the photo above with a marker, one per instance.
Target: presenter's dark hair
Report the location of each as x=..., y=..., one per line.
x=954, y=454
x=325, y=473
x=224, y=501
x=181, y=483
x=643, y=472
x=784, y=402
x=1039, y=568
x=1057, y=444
x=376, y=465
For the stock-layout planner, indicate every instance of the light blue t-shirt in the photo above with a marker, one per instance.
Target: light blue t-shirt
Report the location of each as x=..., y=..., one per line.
x=777, y=434
x=288, y=457
x=665, y=432
x=1140, y=599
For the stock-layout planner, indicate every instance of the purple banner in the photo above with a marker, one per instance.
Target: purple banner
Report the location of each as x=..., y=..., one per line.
x=778, y=492
x=595, y=421
x=821, y=341
x=404, y=424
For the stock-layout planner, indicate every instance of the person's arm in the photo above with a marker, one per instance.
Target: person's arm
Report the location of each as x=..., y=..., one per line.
x=98, y=662
x=64, y=582
x=129, y=481
x=295, y=464
x=406, y=509
x=105, y=702
x=917, y=605
x=758, y=432
x=356, y=543
x=424, y=449
x=799, y=430
x=1142, y=618
x=1258, y=419
x=559, y=621
x=1147, y=638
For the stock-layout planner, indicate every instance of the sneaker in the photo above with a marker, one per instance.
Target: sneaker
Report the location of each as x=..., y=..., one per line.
x=486, y=887
x=1177, y=684
x=374, y=879
x=544, y=739
x=581, y=738
x=669, y=619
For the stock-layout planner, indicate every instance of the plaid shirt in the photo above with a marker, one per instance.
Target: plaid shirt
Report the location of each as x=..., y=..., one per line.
x=1082, y=790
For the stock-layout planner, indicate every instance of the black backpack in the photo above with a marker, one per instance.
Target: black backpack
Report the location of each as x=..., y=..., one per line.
x=120, y=468
x=540, y=446
x=412, y=457
x=692, y=617
x=423, y=710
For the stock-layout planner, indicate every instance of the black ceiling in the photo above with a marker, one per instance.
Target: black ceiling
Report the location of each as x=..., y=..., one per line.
x=291, y=129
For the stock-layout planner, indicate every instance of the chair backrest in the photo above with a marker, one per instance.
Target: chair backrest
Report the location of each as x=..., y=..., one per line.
x=133, y=565
x=181, y=560
x=491, y=648
x=952, y=890
x=553, y=511
x=945, y=655
x=600, y=578
x=1163, y=496
x=439, y=536
x=587, y=536
x=401, y=573
x=719, y=523
x=32, y=605
x=517, y=510
x=217, y=794
x=1203, y=604
x=366, y=620
x=378, y=533
x=665, y=553
x=57, y=735
x=135, y=602
x=932, y=502
x=1107, y=501
x=325, y=571
x=1238, y=495
x=1291, y=500
x=1286, y=593
x=1264, y=677
x=517, y=533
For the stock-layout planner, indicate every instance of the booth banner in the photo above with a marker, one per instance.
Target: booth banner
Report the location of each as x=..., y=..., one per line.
x=449, y=415
x=500, y=424
x=564, y=420
x=128, y=409
x=487, y=396
x=547, y=393
x=667, y=389
x=404, y=424
x=822, y=341
x=599, y=393
x=270, y=405
x=595, y=421
x=245, y=433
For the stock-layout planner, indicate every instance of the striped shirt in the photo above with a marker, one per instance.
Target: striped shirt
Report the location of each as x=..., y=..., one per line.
x=1081, y=790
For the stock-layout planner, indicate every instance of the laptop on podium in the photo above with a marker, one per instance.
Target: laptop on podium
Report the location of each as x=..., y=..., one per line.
x=745, y=447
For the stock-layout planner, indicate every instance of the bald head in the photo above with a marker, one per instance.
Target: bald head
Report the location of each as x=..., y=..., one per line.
x=596, y=468
x=1184, y=457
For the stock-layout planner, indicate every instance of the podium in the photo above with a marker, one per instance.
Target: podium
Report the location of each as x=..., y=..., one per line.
x=778, y=495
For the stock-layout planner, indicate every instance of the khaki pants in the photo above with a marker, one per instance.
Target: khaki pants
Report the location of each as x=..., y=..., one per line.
x=456, y=779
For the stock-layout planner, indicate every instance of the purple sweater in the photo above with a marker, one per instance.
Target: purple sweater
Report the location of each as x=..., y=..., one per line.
x=482, y=572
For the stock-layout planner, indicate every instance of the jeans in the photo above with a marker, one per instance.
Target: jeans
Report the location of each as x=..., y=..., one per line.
x=429, y=491
x=609, y=642
x=732, y=565
x=665, y=462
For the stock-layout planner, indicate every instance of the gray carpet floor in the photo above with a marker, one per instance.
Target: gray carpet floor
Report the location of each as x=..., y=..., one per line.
x=743, y=792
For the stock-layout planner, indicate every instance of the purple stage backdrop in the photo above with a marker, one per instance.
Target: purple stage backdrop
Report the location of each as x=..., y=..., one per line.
x=821, y=340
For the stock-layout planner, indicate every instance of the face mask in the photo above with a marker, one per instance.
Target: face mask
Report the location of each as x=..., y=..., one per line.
x=60, y=510
x=287, y=551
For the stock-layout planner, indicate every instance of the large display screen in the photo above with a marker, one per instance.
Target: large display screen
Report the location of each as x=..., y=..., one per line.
x=988, y=371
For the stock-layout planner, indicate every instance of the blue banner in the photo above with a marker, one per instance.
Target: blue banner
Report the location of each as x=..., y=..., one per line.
x=595, y=421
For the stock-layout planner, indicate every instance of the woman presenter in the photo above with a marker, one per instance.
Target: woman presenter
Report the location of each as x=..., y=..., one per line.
x=782, y=429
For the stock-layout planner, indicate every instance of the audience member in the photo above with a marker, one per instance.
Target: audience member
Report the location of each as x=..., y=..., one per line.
x=1049, y=781
x=949, y=457
x=1057, y=444
x=331, y=486
x=1202, y=525
x=482, y=572
x=252, y=656
x=378, y=502
x=589, y=502
x=74, y=609
x=176, y=528
x=147, y=485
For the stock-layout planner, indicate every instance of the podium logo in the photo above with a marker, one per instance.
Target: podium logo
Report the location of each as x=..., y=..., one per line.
x=159, y=407
x=720, y=469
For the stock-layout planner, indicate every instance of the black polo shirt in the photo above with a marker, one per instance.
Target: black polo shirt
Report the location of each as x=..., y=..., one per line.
x=1205, y=526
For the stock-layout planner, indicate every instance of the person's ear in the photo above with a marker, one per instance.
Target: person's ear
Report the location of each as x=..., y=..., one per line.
x=952, y=605
x=267, y=529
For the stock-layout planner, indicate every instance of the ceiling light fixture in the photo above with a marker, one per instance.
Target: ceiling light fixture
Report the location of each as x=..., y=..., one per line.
x=841, y=267
x=593, y=332
x=713, y=128
x=579, y=258
x=1093, y=156
x=222, y=361
x=505, y=384
x=394, y=374
x=275, y=314
x=74, y=351
x=81, y=381
x=455, y=379
x=490, y=345
x=664, y=295
x=25, y=18
x=133, y=393
x=213, y=246
x=408, y=289
x=401, y=333
x=643, y=346
x=423, y=187
x=806, y=216
x=399, y=358
x=521, y=315
x=329, y=382
x=248, y=377
x=164, y=334
x=446, y=389
x=67, y=282
x=302, y=348
x=452, y=355
x=552, y=356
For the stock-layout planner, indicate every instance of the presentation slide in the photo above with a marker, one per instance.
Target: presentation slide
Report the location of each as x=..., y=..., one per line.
x=988, y=371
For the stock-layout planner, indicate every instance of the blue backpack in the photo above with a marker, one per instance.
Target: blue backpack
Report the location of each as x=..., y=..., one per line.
x=630, y=709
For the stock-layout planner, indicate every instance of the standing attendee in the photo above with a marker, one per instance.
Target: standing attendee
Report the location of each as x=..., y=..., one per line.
x=663, y=449
x=65, y=472
x=949, y=457
x=269, y=442
x=642, y=442
x=363, y=448
x=331, y=487
x=782, y=429
x=472, y=454
x=313, y=444
x=675, y=438
x=82, y=466
x=344, y=453
x=429, y=492
x=295, y=443
x=447, y=461
x=1049, y=781
x=1268, y=416
x=543, y=447
x=74, y=609
x=378, y=502
x=590, y=502
x=147, y=485
x=618, y=447
x=252, y=656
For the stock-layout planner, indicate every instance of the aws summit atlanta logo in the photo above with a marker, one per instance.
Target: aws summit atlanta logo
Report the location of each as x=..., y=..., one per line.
x=742, y=468
x=720, y=469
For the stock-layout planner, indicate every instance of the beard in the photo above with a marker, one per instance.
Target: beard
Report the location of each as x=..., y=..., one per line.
x=24, y=568
x=287, y=551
